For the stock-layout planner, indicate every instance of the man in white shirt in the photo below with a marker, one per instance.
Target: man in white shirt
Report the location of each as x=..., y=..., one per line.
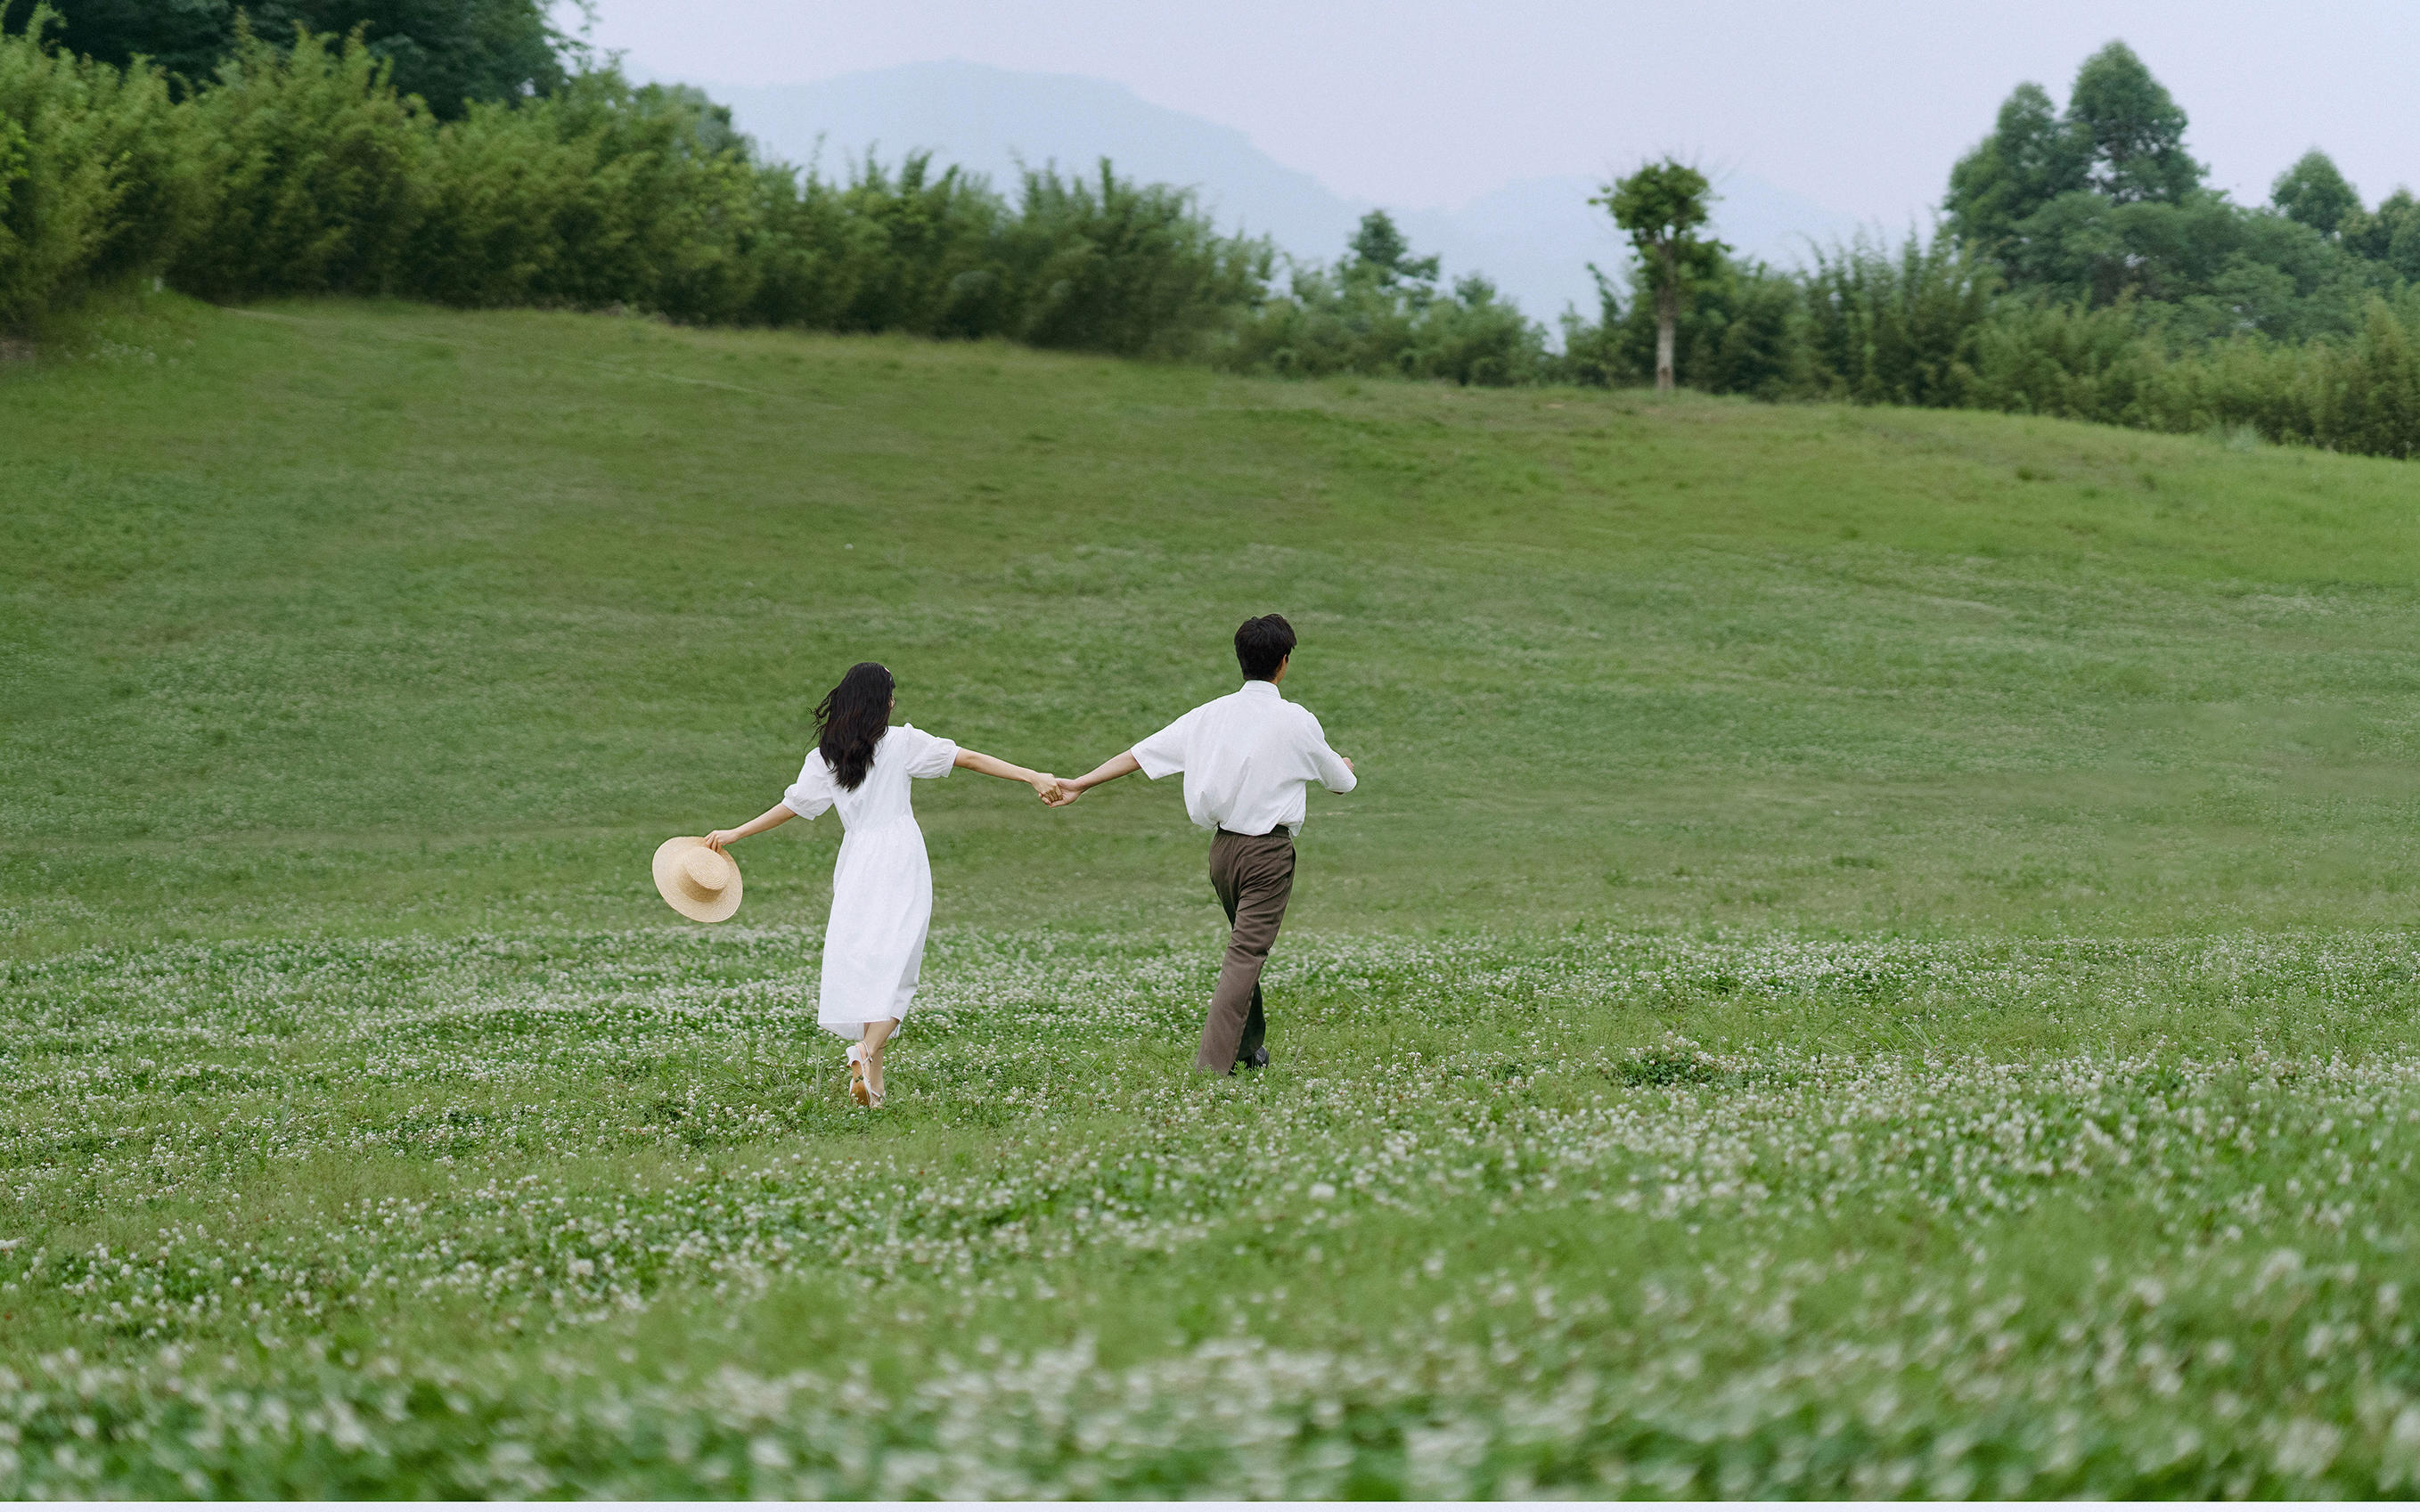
x=1246, y=759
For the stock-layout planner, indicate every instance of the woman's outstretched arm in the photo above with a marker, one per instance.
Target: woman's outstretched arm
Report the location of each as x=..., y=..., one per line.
x=780, y=813
x=1045, y=786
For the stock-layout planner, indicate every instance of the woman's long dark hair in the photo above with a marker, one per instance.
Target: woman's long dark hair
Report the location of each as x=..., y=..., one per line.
x=850, y=721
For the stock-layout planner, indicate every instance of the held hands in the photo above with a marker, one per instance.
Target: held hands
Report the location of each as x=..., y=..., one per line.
x=1065, y=794
x=1050, y=790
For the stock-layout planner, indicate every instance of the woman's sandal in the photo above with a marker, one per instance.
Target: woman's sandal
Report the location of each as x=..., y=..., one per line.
x=861, y=1092
x=875, y=1093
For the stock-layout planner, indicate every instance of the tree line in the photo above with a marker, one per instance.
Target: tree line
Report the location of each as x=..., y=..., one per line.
x=2082, y=266
x=448, y=52
x=257, y=169
x=300, y=168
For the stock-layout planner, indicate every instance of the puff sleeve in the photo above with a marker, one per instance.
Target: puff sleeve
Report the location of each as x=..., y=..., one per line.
x=927, y=755
x=813, y=793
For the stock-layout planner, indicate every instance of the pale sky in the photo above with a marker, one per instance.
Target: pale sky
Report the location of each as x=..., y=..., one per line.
x=1860, y=107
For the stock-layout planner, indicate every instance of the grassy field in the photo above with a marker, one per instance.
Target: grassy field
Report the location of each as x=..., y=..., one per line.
x=1869, y=956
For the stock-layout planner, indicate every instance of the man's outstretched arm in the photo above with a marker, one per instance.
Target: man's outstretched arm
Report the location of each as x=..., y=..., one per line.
x=1072, y=788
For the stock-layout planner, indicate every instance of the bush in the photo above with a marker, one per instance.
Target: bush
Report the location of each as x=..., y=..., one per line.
x=2065, y=361
x=95, y=180
x=1597, y=356
x=659, y=207
x=1110, y=267
x=501, y=207
x=1751, y=337
x=1378, y=312
x=918, y=252
x=314, y=168
x=2370, y=393
x=1903, y=330
x=1741, y=330
x=1477, y=338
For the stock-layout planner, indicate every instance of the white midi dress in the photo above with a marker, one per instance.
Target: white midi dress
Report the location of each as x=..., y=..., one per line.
x=883, y=885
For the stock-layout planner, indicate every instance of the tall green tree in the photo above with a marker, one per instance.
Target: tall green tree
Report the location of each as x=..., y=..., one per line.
x=2389, y=235
x=2134, y=129
x=2120, y=140
x=1662, y=208
x=1381, y=253
x=2030, y=159
x=2314, y=192
x=447, y=52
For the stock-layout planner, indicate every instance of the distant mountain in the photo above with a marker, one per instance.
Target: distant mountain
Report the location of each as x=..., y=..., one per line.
x=1534, y=238
x=986, y=119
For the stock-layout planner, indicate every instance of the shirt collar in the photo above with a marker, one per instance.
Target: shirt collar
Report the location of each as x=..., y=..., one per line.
x=1262, y=687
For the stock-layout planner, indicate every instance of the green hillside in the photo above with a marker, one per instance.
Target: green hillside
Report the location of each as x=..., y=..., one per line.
x=1869, y=957
x=441, y=620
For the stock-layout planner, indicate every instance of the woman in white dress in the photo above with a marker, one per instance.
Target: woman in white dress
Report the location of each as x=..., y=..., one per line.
x=883, y=885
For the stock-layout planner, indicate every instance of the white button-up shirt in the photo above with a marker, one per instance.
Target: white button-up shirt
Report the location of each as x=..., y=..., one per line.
x=1247, y=759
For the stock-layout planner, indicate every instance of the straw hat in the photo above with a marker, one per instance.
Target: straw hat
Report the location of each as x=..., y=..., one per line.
x=702, y=883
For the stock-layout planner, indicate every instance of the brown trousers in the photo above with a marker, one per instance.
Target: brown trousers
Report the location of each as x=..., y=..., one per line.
x=1254, y=875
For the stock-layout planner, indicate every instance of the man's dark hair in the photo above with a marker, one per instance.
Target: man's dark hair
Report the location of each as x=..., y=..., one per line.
x=1263, y=645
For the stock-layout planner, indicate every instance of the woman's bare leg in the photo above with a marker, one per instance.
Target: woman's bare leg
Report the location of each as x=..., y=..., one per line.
x=877, y=1033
